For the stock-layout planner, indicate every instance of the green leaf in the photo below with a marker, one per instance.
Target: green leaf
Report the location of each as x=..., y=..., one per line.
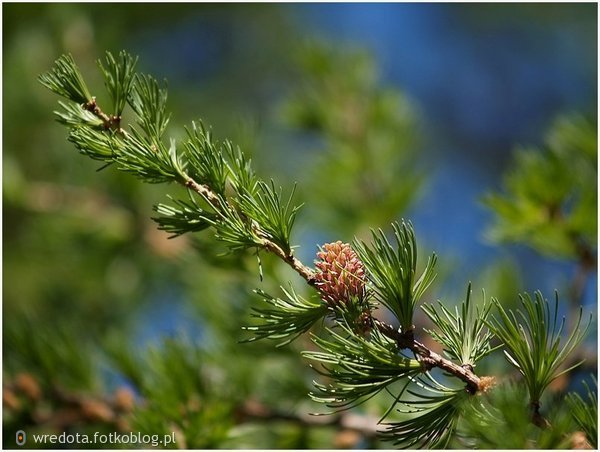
x=205, y=159
x=434, y=415
x=244, y=179
x=233, y=229
x=149, y=102
x=358, y=367
x=151, y=163
x=391, y=271
x=183, y=217
x=286, y=318
x=463, y=332
x=66, y=80
x=273, y=218
x=96, y=144
x=74, y=115
x=532, y=340
x=118, y=77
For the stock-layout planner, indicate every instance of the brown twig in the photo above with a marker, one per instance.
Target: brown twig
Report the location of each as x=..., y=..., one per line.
x=306, y=272
x=537, y=418
x=203, y=191
x=111, y=122
x=430, y=359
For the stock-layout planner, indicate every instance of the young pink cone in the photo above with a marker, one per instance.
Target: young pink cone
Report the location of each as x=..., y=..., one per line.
x=340, y=274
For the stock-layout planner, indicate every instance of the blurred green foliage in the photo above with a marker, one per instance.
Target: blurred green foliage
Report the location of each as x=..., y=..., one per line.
x=368, y=140
x=502, y=418
x=550, y=193
x=585, y=412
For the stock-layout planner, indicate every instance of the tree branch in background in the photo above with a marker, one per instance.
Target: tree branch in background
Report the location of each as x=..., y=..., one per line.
x=58, y=409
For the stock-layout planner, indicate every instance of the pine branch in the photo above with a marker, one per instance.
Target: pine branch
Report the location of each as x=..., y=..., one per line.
x=429, y=358
x=139, y=155
x=147, y=158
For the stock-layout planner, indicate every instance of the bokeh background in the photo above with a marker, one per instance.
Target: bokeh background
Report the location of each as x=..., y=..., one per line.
x=91, y=289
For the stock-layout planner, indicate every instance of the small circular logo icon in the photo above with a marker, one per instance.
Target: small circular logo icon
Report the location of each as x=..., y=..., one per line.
x=21, y=438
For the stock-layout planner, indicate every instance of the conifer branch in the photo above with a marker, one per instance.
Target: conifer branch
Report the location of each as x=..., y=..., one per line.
x=148, y=101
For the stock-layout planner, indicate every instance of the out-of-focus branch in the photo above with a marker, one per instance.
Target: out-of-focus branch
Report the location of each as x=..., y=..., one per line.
x=252, y=410
x=23, y=394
